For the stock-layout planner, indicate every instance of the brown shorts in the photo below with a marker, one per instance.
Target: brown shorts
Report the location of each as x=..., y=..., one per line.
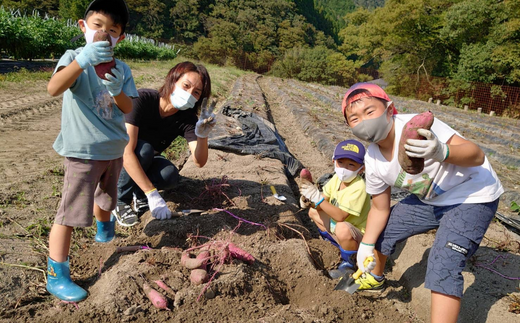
x=87, y=182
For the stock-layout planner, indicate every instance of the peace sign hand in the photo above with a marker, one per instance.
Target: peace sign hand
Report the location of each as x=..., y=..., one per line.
x=207, y=119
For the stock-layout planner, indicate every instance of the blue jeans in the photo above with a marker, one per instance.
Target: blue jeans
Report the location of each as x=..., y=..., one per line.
x=159, y=170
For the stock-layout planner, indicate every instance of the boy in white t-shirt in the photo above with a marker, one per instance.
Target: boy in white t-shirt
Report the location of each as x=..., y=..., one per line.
x=457, y=193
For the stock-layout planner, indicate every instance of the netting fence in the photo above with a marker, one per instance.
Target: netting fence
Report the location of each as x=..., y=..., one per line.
x=502, y=100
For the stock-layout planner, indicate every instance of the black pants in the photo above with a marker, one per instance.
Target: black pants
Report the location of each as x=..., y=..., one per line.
x=161, y=172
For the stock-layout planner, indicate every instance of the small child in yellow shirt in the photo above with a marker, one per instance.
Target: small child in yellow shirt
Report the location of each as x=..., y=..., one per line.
x=340, y=211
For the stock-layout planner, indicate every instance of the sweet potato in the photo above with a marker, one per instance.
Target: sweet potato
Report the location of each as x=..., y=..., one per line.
x=104, y=68
x=188, y=261
x=165, y=287
x=198, y=276
x=423, y=120
x=157, y=299
x=304, y=173
x=240, y=254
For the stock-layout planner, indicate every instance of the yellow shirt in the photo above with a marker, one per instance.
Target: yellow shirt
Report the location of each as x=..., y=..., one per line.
x=353, y=199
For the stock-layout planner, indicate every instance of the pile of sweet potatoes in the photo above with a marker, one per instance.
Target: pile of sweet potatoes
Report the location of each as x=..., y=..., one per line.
x=214, y=254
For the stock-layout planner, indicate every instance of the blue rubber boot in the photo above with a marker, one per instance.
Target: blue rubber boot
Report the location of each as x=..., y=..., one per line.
x=59, y=283
x=347, y=265
x=327, y=237
x=106, y=230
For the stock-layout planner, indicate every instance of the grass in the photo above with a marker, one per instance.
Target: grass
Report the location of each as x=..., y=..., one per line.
x=24, y=75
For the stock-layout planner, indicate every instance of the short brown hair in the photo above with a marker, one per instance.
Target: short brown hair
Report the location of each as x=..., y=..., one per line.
x=177, y=72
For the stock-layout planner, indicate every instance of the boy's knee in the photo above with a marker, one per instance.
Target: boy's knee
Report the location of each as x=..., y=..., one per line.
x=313, y=214
x=343, y=232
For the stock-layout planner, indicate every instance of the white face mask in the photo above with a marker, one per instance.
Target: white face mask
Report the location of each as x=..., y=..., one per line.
x=89, y=35
x=346, y=175
x=182, y=100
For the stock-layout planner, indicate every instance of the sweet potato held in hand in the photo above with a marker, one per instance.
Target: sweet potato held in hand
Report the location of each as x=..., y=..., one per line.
x=103, y=68
x=409, y=164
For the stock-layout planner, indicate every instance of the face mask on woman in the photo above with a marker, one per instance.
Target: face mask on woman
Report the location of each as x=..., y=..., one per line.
x=182, y=100
x=346, y=175
x=374, y=130
x=89, y=35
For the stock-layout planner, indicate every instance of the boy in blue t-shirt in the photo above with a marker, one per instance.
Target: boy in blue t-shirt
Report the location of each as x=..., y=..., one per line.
x=92, y=138
x=340, y=211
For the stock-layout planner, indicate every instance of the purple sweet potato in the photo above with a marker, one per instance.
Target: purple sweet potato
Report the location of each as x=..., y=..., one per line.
x=423, y=120
x=104, y=68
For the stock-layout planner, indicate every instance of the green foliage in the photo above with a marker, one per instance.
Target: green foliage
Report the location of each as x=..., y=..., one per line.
x=33, y=36
x=515, y=207
x=30, y=37
x=143, y=48
x=466, y=40
x=318, y=64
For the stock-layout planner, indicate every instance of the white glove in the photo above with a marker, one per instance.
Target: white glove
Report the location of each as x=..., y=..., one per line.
x=304, y=202
x=431, y=148
x=114, y=83
x=157, y=206
x=207, y=119
x=311, y=192
x=94, y=54
x=365, y=251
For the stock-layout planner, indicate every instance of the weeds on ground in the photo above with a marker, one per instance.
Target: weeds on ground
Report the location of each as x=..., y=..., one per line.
x=23, y=75
x=514, y=307
x=176, y=148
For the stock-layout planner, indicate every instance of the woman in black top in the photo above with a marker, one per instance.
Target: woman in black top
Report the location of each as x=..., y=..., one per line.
x=157, y=118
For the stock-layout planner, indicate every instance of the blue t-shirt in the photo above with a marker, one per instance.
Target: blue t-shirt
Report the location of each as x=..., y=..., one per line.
x=92, y=126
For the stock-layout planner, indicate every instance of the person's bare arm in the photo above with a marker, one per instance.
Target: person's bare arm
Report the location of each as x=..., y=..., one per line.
x=124, y=103
x=377, y=216
x=464, y=152
x=131, y=163
x=64, y=78
x=199, y=151
x=332, y=211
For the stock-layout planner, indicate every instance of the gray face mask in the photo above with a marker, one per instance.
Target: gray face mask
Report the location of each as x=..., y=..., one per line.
x=373, y=130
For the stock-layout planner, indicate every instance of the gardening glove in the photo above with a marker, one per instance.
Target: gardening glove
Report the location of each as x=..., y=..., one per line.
x=311, y=193
x=365, y=251
x=114, y=83
x=304, y=202
x=94, y=54
x=157, y=205
x=207, y=119
x=431, y=148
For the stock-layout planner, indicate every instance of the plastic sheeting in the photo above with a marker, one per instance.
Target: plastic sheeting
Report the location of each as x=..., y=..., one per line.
x=258, y=137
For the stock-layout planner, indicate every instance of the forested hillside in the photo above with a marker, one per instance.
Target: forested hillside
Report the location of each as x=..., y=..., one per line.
x=331, y=41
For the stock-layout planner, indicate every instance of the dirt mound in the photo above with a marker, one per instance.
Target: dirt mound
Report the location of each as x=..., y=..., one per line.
x=288, y=280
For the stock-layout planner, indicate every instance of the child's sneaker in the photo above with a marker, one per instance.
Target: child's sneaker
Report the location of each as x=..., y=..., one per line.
x=369, y=283
x=140, y=205
x=125, y=216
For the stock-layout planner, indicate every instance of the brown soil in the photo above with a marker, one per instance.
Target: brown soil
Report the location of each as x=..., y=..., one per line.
x=288, y=280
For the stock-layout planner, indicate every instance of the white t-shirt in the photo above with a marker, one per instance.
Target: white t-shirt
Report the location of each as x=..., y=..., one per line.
x=439, y=184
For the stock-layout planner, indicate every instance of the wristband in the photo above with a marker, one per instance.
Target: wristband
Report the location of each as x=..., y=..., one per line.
x=150, y=191
x=447, y=152
x=369, y=244
x=316, y=205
